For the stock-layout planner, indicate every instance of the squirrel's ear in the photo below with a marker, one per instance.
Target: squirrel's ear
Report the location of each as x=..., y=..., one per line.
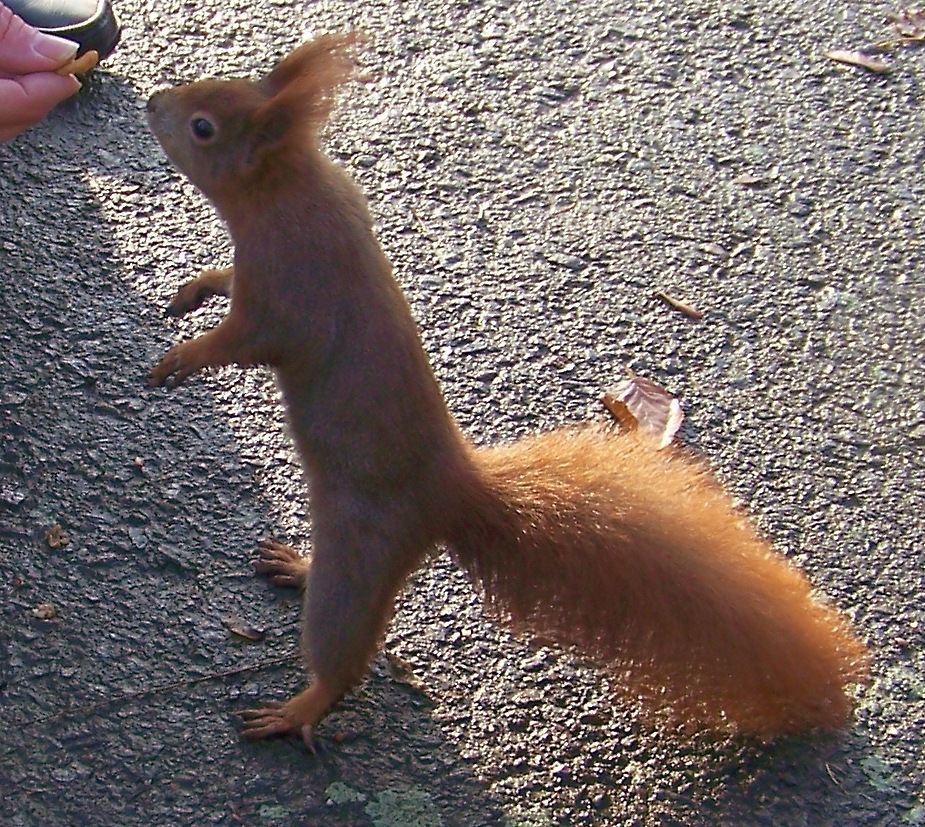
x=308, y=76
x=320, y=58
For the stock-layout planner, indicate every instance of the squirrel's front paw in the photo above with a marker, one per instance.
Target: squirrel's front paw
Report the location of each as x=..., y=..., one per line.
x=187, y=298
x=195, y=292
x=177, y=364
x=297, y=716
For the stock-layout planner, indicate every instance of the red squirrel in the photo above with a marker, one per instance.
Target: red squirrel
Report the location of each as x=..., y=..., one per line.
x=632, y=555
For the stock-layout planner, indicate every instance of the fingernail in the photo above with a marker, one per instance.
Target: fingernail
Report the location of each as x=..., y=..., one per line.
x=54, y=48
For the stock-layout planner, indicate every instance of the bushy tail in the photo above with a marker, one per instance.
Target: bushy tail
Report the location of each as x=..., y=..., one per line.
x=638, y=558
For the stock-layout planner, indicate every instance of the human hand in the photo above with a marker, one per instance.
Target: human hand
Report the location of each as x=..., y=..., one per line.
x=29, y=87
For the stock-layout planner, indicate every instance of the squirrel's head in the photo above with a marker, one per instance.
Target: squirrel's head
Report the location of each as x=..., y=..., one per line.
x=222, y=134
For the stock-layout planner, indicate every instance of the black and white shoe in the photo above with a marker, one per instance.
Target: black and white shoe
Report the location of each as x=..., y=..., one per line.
x=91, y=24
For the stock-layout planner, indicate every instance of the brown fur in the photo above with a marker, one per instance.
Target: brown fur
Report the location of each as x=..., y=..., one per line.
x=640, y=559
x=634, y=556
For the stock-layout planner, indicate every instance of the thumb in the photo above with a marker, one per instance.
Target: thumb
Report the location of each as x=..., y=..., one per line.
x=24, y=49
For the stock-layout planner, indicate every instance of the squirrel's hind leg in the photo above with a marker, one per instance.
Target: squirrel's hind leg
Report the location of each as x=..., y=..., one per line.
x=357, y=567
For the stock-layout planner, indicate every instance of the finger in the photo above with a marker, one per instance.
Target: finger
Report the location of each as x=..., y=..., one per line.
x=255, y=717
x=183, y=302
x=24, y=49
x=269, y=708
x=157, y=377
x=170, y=372
x=178, y=308
x=265, y=566
x=178, y=377
x=256, y=733
x=308, y=738
x=286, y=581
x=161, y=376
x=275, y=573
x=10, y=131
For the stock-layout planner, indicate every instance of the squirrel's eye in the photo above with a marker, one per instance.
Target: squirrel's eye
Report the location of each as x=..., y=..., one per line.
x=203, y=129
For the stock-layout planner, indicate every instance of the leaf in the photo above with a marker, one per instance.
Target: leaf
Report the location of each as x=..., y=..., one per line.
x=402, y=672
x=909, y=25
x=56, y=538
x=682, y=307
x=45, y=611
x=748, y=179
x=638, y=403
x=872, y=64
x=242, y=630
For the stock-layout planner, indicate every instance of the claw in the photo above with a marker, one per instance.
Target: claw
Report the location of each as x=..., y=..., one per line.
x=281, y=564
x=194, y=293
x=267, y=721
x=282, y=580
x=175, y=366
x=277, y=550
x=182, y=304
x=164, y=375
x=308, y=738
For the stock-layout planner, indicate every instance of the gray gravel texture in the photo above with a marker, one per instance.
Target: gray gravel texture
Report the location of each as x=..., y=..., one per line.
x=537, y=170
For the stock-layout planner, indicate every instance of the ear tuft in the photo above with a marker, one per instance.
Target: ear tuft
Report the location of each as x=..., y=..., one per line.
x=305, y=80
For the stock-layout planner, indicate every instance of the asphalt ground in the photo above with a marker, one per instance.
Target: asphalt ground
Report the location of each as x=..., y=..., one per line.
x=537, y=171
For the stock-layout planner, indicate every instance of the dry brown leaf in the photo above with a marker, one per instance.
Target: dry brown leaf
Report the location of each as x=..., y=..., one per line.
x=638, y=403
x=620, y=411
x=688, y=310
x=56, y=538
x=748, y=179
x=242, y=630
x=909, y=25
x=402, y=672
x=851, y=58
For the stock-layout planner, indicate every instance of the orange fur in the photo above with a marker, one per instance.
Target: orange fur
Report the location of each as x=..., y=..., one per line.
x=632, y=555
x=639, y=558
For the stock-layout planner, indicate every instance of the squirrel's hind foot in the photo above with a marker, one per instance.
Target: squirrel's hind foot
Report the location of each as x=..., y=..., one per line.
x=297, y=716
x=282, y=565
